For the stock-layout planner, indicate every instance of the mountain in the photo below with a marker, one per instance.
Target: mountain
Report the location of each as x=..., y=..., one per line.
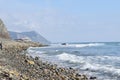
x=3, y=31
x=34, y=36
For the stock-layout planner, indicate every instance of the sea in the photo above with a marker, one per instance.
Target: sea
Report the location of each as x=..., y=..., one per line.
x=98, y=59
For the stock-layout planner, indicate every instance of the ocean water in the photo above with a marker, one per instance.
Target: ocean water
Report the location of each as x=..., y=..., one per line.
x=99, y=59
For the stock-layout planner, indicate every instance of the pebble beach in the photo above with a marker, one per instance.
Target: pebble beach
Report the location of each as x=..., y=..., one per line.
x=16, y=65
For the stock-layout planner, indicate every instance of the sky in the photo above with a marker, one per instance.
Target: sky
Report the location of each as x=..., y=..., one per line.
x=64, y=20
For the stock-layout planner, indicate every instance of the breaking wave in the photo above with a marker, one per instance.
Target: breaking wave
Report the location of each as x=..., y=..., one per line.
x=92, y=63
x=85, y=45
x=99, y=59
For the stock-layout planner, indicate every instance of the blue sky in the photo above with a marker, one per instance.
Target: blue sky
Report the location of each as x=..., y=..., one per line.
x=64, y=20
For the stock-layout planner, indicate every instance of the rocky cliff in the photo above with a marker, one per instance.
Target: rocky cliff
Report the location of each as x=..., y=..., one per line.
x=3, y=31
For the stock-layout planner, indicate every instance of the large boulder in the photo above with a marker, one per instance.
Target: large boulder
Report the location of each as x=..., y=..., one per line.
x=3, y=31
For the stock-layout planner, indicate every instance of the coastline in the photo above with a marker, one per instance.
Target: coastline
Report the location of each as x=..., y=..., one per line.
x=17, y=66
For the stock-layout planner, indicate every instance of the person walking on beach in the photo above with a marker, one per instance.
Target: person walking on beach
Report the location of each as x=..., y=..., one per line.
x=1, y=45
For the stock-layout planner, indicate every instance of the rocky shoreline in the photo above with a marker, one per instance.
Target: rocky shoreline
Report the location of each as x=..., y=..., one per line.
x=17, y=66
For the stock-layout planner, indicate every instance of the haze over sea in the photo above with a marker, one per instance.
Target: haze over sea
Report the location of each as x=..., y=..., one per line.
x=100, y=59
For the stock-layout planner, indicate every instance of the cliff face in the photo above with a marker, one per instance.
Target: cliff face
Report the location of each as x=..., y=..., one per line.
x=3, y=31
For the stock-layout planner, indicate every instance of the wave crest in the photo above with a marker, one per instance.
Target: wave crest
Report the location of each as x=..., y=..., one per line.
x=86, y=45
x=70, y=58
x=87, y=63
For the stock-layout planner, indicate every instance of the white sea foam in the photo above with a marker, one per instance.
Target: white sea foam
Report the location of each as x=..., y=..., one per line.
x=107, y=69
x=70, y=58
x=99, y=64
x=88, y=63
x=86, y=45
x=76, y=45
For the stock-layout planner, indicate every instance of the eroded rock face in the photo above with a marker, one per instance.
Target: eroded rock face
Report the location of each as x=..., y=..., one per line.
x=3, y=31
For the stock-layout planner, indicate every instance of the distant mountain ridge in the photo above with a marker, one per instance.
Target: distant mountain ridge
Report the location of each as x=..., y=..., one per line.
x=34, y=36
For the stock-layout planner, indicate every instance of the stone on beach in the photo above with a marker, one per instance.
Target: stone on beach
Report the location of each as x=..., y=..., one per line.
x=23, y=67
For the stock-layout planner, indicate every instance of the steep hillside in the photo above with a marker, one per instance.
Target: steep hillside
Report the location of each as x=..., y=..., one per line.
x=34, y=36
x=3, y=31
